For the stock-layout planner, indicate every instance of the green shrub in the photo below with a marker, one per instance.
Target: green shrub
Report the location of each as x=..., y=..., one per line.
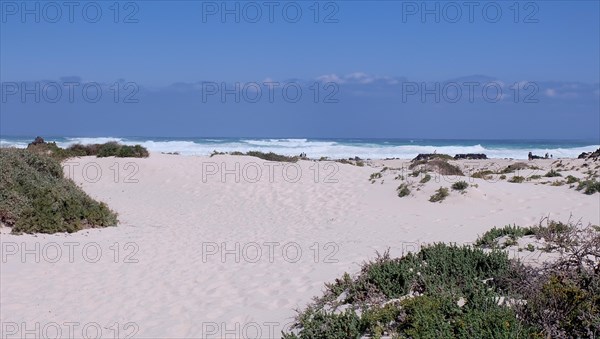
x=109, y=149
x=589, y=186
x=441, y=194
x=325, y=325
x=460, y=185
x=376, y=175
x=113, y=149
x=534, y=177
x=272, y=156
x=425, y=178
x=36, y=198
x=438, y=276
x=415, y=173
x=490, y=238
x=571, y=179
x=502, y=177
x=552, y=173
x=516, y=179
x=483, y=174
x=514, y=167
x=447, y=291
x=403, y=190
x=438, y=166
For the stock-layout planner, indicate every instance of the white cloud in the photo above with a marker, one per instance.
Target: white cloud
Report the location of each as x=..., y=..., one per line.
x=330, y=78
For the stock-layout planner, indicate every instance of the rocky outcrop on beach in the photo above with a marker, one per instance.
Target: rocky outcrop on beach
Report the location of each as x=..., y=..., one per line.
x=37, y=141
x=590, y=155
x=470, y=156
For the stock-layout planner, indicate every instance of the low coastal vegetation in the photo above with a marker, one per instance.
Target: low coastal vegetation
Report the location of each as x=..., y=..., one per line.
x=425, y=178
x=460, y=185
x=437, y=165
x=516, y=179
x=109, y=149
x=403, y=190
x=483, y=174
x=440, y=194
x=450, y=291
x=376, y=175
x=589, y=186
x=35, y=197
x=552, y=173
x=518, y=166
x=270, y=156
x=490, y=238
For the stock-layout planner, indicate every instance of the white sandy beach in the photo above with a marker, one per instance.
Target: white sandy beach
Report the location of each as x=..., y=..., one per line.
x=198, y=254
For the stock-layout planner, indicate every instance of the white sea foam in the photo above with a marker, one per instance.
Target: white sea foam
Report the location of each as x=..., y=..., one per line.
x=318, y=148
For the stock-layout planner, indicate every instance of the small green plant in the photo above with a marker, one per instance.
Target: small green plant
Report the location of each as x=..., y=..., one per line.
x=483, y=174
x=514, y=167
x=534, y=177
x=403, y=190
x=425, y=178
x=552, y=173
x=571, y=179
x=272, y=156
x=416, y=173
x=490, y=238
x=460, y=185
x=589, y=186
x=376, y=175
x=516, y=179
x=502, y=177
x=440, y=195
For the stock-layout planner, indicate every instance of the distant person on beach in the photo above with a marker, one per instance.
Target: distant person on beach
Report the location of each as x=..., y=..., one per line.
x=530, y=156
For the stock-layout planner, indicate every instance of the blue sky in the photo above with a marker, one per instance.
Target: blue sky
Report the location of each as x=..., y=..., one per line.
x=369, y=48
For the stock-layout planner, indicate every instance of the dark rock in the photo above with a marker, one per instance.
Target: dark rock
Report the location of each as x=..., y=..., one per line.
x=423, y=157
x=38, y=141
x=471, y=156
x=590, y=155
x=595, y=154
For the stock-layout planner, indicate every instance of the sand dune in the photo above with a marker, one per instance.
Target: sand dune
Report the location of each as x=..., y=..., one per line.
x=201, y=254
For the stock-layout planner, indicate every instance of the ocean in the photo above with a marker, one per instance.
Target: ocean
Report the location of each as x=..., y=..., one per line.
x=336, y=148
